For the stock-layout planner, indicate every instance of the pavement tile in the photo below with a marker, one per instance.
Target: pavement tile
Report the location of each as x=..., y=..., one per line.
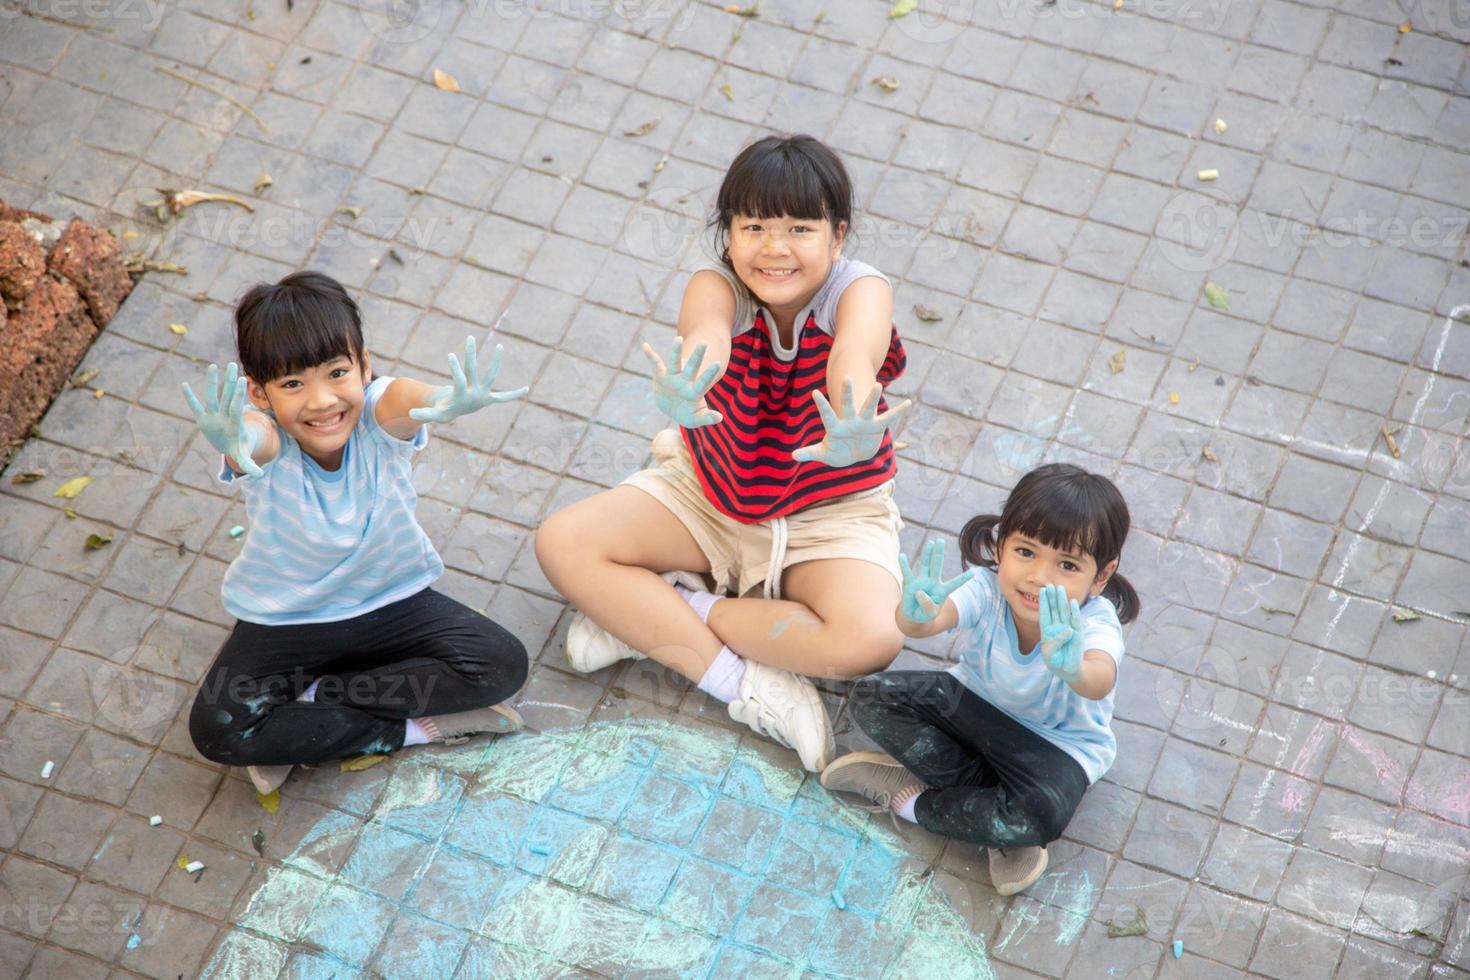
x=64, y=831
x=1033, y=180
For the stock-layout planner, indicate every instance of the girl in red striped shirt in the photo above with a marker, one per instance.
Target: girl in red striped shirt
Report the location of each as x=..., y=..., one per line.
x=776, y=487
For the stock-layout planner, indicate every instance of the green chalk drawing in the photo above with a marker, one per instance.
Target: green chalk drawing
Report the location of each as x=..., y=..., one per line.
x=620, y=848
x=241, y=954
x=279, y=908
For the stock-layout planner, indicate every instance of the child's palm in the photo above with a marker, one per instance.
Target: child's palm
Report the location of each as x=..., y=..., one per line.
x=223, y=424
x=924, y=591
x=854, y=436
x=679, y=391
x=469, y=393
x=1061, y=634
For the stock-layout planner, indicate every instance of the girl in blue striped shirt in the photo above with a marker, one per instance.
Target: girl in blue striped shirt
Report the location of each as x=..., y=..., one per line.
x=341, y=647
x=999, y=749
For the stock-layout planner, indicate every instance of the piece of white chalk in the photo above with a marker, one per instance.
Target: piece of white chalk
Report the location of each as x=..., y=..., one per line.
x=194, y=866
x=48, y=769
x=155, y=820
x=1210, y=174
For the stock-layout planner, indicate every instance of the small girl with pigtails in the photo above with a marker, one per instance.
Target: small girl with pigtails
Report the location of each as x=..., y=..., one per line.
x=999, y=749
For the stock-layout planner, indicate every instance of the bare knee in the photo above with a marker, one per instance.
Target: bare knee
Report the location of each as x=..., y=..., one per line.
x=867, y=648
x=561, y=545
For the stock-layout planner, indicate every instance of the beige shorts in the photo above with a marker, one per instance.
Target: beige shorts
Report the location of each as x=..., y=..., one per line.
x=862, y=525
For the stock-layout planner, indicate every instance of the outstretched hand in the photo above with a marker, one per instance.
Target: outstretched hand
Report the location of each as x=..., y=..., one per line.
x=855, y=435
x=469, y=392
x=223, y=424
x=1061, y=634
x=924, y=591
x=679, y=390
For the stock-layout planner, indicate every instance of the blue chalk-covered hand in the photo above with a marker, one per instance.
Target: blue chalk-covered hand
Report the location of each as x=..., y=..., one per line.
x=855, y=435
x=469, y=393
x=679, y=386
x=924, y=591
x=1061, y=633
x=223, y=424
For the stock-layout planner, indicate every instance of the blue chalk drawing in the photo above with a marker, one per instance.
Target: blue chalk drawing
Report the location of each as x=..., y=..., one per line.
x=668, y=851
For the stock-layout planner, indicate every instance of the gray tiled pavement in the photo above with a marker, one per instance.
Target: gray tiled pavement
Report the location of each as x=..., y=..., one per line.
x=1292, y=795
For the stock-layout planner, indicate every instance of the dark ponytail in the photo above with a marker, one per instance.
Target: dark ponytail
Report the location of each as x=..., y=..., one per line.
x=1120, y=592
x=1065, y=507
x=978, y=541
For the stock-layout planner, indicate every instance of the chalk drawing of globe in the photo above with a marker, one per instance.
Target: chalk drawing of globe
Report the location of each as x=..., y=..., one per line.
x=631, y=848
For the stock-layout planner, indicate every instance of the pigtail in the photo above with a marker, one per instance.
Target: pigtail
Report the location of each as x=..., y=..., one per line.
x=977, y=541
x=1120, y=592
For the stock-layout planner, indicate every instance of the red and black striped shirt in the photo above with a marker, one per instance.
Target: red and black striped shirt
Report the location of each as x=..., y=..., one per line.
x=744, y=463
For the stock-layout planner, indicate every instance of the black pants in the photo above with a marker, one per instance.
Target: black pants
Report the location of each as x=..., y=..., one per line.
x=994, y=781
x=424, y=655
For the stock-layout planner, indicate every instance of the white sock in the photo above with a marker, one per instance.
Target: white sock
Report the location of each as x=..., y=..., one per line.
x=699, y=600
x=310, y=693
x=414, y=734
x=722, y=680
x=906, y=808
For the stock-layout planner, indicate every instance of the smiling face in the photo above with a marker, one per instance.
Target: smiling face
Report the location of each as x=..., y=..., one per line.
x=1025, y=565
x=784, y=261
x=318, y=406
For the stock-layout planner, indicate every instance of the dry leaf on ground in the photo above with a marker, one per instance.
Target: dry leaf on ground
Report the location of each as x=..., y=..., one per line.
x=445, y=81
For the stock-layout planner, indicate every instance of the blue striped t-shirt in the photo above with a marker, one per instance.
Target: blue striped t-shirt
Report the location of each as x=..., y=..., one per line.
x=325, y=546
x=991, y=664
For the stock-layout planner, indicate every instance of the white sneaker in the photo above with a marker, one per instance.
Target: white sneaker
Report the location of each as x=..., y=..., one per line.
x=267, y=778
x=787, y=708
x=591, y=648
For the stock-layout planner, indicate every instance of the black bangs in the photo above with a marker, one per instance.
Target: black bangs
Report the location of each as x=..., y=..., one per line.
x=1064, y=507
x=785, y=175
x=302, y=321
x=1067, y=508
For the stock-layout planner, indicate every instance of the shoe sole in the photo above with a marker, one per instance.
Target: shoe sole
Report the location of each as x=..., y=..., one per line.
x=511, y=715
x=264, y=786
x=1010, y=888
x=854, y=759
x=829, y=744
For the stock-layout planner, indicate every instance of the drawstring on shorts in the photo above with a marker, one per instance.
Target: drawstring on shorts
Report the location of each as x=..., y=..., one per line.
x=772, y=588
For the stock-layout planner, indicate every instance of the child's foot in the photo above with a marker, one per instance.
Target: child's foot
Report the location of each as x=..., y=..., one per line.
x=453, y=729
x=1016, y=869
x=591, y=648
x=878, y=778
x=787, y=708
x=267, y=779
